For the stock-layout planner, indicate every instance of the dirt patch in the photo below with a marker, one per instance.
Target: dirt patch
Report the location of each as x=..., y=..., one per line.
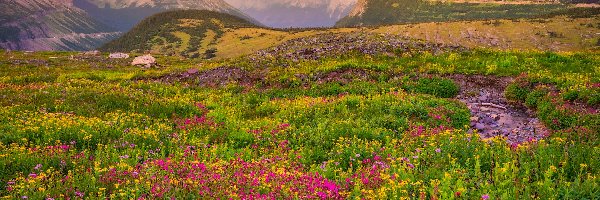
x=333, y=45
x=217, y=77
x=492, y=115
x=222, y=76
x=343, y=76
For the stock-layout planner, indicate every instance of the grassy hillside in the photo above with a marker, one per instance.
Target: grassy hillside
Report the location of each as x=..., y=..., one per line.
x=555, y=34
x=188, y=33
x=559, y=33
x=386, y=12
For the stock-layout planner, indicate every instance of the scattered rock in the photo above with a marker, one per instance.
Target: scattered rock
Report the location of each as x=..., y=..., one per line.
x=146, y=60
x=192, y=71
x=495, y=117
x=91, y=53
x=118, y=56
x=492, y=114
x=474, y=119
x=480, y=126
x=336, y=44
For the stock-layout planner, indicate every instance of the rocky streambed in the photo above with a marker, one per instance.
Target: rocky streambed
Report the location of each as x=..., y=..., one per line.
x=492, y=114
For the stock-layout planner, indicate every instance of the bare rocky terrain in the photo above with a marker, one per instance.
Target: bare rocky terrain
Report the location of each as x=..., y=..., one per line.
x=492, y=115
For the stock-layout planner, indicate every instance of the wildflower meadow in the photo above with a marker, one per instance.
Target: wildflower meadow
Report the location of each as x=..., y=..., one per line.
x=352, y=127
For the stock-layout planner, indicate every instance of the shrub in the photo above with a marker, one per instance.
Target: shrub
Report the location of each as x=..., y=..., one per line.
x=439, y=87
x=534, y=96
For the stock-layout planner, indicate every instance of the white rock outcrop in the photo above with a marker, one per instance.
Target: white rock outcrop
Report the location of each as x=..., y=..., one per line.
x=118, y=56
x=145, y=60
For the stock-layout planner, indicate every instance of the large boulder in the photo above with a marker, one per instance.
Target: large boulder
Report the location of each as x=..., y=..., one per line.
x=118, y=56
x=145, y=60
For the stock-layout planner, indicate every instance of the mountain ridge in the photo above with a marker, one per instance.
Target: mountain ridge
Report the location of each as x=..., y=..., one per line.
x=80, y=25
x=390, y=12
x=132, y=12
x=296, y=13
x=187, y=33
x=50, y=25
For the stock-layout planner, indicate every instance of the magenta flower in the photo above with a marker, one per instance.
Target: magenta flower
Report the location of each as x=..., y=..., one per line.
x=485, y=197
x=377, y=158
x=79, y=194
x=420, y=130
x=200, y=106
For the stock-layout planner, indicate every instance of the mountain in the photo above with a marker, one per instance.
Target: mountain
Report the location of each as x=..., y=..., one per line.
x=124, y=14
x=387, y=12
x=295, y=13
x=79, y=25
x=187, y=33
x=50, y=25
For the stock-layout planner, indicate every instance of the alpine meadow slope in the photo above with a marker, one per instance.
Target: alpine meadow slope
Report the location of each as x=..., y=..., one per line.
x=389, y=12
x=490, y=104
x=195, y=34
x=189, y=33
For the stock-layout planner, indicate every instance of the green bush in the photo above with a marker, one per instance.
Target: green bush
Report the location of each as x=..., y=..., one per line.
x=571, y=95
x=439, y=87
x=518, y=90
x=534, y=96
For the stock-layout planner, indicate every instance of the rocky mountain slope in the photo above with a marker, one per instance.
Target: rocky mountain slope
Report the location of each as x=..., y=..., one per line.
x=125, y=14
x=49, y=25
x=79, y=25
x=296, y=13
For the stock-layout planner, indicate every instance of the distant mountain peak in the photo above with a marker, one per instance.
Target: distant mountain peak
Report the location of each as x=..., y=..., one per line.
x=124, y=14
x=41, y=3
x=295, y=13
x=50, y=25
x=359, y=8
x=338, y=8
x=214, y=5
